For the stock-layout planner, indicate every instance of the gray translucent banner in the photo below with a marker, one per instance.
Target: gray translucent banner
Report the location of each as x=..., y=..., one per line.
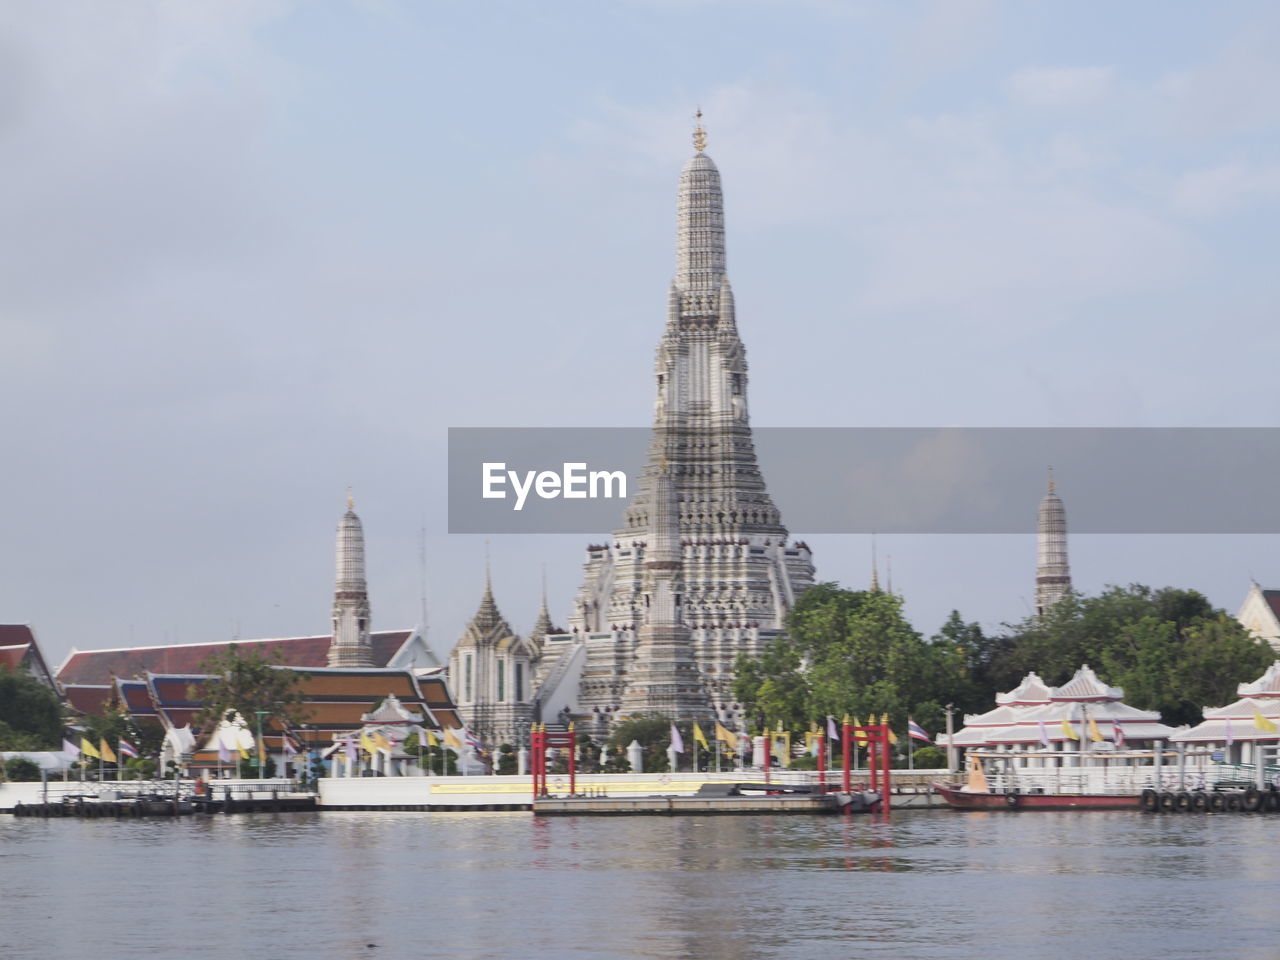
x=892, y=480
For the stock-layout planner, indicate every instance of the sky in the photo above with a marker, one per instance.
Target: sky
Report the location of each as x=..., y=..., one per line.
x=253, y=253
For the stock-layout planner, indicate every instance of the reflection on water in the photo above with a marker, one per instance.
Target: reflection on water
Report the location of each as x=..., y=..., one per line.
x=354, y=885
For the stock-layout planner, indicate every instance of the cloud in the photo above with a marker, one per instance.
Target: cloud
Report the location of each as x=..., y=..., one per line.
x=1060, y=86
x=1226, y=187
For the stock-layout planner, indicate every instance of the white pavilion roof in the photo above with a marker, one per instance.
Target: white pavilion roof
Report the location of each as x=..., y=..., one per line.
x=391, y=711
x=1267, y=685
x=1020, y=713
x=1237, y=721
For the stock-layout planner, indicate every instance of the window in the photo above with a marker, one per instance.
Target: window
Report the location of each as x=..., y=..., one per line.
x=519, y=683
x=466, y=678
x=502, y=681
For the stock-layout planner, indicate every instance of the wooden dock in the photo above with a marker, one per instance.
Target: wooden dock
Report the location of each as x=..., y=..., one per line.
x=712, y=799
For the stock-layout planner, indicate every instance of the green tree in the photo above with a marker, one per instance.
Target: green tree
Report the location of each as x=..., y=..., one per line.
x=30, y=713
x=21, y=770
x=652, y=731
x=851, y=652
x=1169, y=649
x=245, y=682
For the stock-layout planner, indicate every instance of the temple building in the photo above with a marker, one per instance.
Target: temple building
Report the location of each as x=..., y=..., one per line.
x=1053, y=575
x=1235, y=729
x=341, y=677
x=1260, y=614
x=735, y=573
x=491, y=671
x=1084, y=715
x=20, y=651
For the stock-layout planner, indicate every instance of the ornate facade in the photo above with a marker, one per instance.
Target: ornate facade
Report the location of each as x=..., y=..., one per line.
x=1053, y=575
x=736, y=574
x=491, y=675
x=351, y=646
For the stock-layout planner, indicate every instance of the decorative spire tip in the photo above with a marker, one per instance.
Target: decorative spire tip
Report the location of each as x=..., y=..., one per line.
x=699, y=132
x=351, y=500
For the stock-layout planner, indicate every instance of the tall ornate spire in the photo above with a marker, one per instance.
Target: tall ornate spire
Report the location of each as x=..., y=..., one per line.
x=1053, y=575
x=350, y=646
x=699, y=223
x=735, y=573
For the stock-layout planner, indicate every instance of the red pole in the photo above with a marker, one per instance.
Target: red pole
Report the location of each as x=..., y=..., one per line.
x=822, y=764
x=573, y=761
x=884, y=780
x=872, y=744
x=846, y=738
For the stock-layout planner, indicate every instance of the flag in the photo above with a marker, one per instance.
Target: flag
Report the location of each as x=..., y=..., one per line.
x=381, y=742
x=832, y=734
x=1230, y=739
x=1094, y=733
x=916, y=732
x=1067, y=731
x=367, y=744
x=859, y=736
x=109, y=755
x=677, y=742
x=1262, y=723
x=244, y=751
x=451, y=739
x=726, y=736
x=884, y=722
x=699, y=737
x=1044, y=735
x=70, y=748
x=127, y=749
x=287, y=743
x=89, y=750
x=431, y=739
x=349, y=748
x=224, y=752
x=1119, y=734
x=472, y=741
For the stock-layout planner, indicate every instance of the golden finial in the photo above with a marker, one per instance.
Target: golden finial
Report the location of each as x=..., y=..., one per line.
x=351, y=500
x=699, y=132
x=1052, y=485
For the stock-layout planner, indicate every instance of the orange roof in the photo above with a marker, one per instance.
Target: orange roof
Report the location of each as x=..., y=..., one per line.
x=99, y=666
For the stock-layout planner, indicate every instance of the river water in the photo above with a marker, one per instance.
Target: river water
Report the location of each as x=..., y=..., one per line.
x=403, y=885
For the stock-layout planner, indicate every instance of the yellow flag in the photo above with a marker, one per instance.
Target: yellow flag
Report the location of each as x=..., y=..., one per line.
x=725, y=735
x=382, y=742
x=244, y=751
x=262, y=752
x=451, y=739
x=367, y=745
x=1262, y=723
x=699, y=737
x=109, y=755
x=431, y=739
x=1067, y=731
x=884, y=721
x=1094, y=733
x=89, y=750
x=859, y=737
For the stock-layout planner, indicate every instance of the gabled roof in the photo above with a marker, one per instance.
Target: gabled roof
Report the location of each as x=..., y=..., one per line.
x=99, y=666
x=18, y=648
x=391, y=710
x=1267, y=685
x=87, y=698
x=1031, y=690
x=1085, y=685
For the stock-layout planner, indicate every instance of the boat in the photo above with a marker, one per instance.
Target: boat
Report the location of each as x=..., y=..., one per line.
x=1045, y=788
x=956, y=796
